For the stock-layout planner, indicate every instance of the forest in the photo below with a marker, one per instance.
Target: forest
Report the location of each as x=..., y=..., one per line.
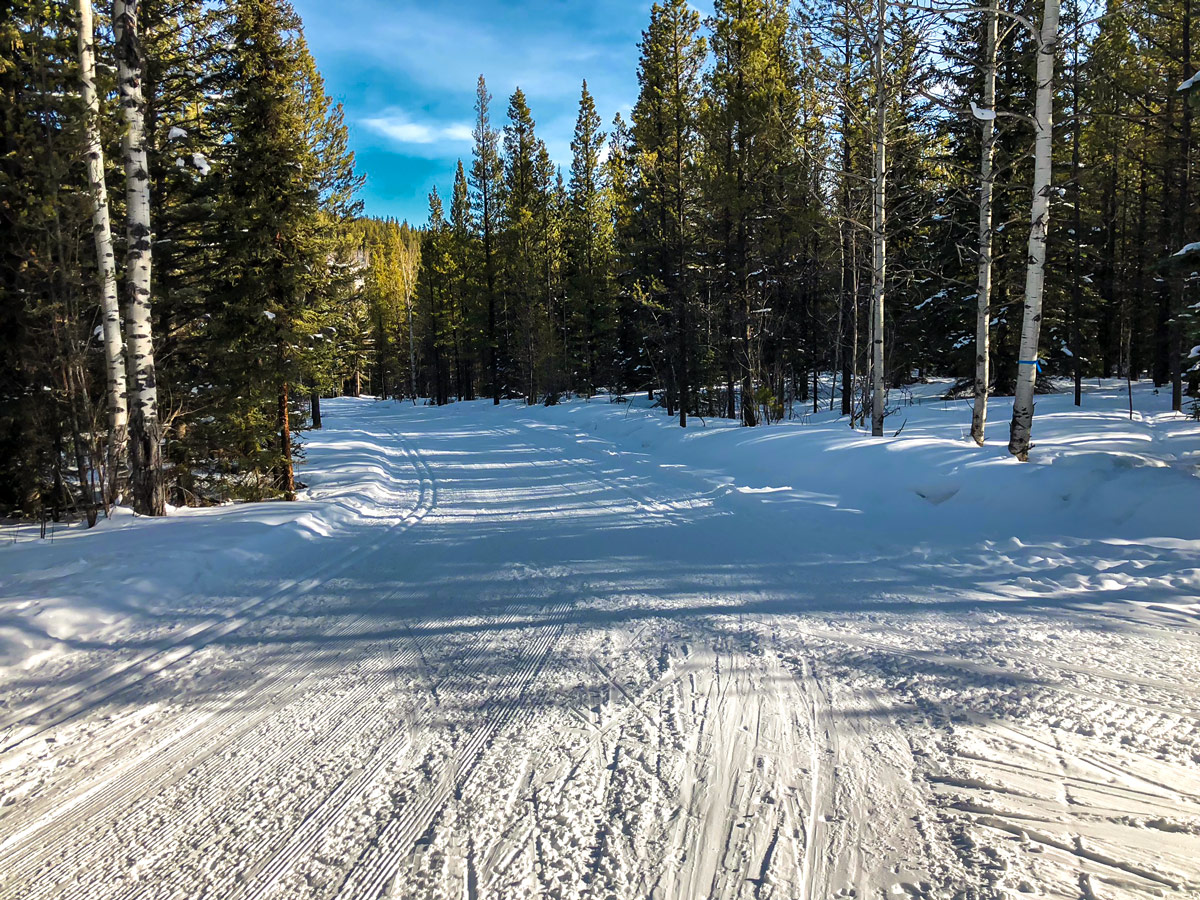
x=809, y=205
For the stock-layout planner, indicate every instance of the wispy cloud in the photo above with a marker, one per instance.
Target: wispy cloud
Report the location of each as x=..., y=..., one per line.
x=406, y=71
x=401, y=128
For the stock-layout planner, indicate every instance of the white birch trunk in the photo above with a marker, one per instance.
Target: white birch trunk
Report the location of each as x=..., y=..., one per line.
x=1035, y=272
x=114, y=349
x=145, y=429
x=986, y=178
x=879, y=232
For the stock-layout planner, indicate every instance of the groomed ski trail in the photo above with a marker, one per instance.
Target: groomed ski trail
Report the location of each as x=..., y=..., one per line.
x=574, y=669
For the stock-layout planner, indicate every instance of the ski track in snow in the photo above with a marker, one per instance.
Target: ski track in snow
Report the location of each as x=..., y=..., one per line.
x=555, y=662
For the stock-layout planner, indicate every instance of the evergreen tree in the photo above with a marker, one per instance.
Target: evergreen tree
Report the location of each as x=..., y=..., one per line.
x=288, y=180
x=525, y=246
x=467, y=324
x=666, y=189
x=49, y=404
x=589, y=249
x=486, y=175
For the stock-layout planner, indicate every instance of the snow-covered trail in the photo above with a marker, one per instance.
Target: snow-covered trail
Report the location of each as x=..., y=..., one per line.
x=548, y=659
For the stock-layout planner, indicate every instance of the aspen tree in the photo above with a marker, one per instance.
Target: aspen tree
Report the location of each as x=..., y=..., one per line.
x=879, y=228
x=114, y=348
x=1035, y=272
x=983, y=298
x=145, y=429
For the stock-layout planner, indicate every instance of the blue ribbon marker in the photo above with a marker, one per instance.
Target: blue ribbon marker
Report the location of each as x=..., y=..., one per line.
x=1030, y=362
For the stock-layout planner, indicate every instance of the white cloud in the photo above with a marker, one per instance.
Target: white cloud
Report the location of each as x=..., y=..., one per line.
x=460, y=132
x=398, y=126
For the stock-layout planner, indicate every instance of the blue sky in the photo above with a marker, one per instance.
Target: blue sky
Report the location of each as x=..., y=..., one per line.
x=406, y=73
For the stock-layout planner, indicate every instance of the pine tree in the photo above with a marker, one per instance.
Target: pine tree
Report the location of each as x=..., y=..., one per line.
x=48, y=407
x=666, y=193
x=288, y=180
x=589, y=251
x=524, y=245
x=466, y=319
x=630, y=366
x=439, y=325
x=486, y=174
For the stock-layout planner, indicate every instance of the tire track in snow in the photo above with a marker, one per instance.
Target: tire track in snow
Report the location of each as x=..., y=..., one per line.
x=279, y=854
x=80, y=698
x=24, y=851
x=377, y=866
x=142, y=787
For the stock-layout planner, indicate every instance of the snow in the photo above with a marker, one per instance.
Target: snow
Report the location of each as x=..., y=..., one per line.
x=270, y=315
x=176, y=133
x=983, y=115
x=1190, y=83
x=579, y=652
x=200, y=163
x=1186, y=249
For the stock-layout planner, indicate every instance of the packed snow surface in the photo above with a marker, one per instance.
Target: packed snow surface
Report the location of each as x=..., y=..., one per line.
x=576, y=652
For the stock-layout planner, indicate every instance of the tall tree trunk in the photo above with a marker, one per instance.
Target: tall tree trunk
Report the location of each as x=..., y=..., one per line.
x=315, y=401
x=680, y=284
x=489, y=267
x=76, y=390
x=286, y=472
x=682, y=337
x=145, y=429
x=848, y=295
x=983, y=308
x=879, y=231
x=855, y=326
x=1074, y=333
x=1175, y=333
x=1035, y=271
x=412, y=352
x=114, y=348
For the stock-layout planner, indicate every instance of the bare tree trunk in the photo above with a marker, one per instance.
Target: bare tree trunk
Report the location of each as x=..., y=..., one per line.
x=879, y=231
x=76, y=390
x=1035, y=272
x=145, y=430
x=855, y=327
x=412, y=353
x=114, y=348
x=983, y=314
x=1175, y=346
x=287, y=472
x=848, y=296
x=315, y=400
x=1075, y=331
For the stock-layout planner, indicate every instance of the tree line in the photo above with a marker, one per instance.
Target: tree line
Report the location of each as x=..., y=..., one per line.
x=873, y=189
x=175, y=193
x=807, y=205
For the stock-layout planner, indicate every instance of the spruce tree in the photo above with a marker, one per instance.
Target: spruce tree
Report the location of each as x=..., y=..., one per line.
x=287, y=182
x=524, y=246
x=468, y=324
x=589, y=248
x=486, y=175
x=666, y=192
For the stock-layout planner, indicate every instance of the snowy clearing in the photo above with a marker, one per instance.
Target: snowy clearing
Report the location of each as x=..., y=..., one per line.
x=576, y=652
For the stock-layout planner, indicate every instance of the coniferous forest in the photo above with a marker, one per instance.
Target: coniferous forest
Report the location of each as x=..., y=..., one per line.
x=809, y=206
